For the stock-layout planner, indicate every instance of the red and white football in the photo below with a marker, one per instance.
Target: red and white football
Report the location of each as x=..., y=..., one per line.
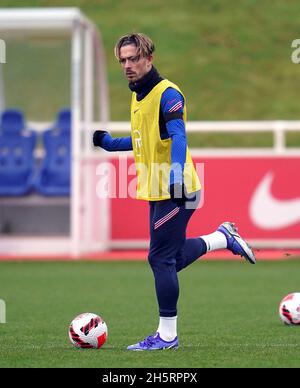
x=88, y=330
x=289, y=309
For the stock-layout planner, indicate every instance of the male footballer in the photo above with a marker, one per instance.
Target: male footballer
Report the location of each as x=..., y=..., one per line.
x=167, y=179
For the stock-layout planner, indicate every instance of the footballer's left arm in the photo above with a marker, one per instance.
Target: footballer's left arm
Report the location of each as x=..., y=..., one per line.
x=172, y=104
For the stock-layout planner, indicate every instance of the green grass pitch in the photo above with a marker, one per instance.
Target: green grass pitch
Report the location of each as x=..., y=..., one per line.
x=228, y=314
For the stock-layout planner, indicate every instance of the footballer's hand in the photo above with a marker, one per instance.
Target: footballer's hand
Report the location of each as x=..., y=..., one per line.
x=98, y=137
x=177, y=193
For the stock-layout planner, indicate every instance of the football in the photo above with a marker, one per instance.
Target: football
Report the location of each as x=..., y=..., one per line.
x=289, y=309
x=87, y=331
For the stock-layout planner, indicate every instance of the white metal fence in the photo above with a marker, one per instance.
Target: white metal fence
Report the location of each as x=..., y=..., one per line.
x=279, y=128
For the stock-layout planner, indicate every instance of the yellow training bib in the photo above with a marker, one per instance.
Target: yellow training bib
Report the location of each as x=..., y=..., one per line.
x=152, y=155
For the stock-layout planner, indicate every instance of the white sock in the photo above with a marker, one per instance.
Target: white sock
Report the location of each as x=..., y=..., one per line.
x=214, y=241
x=167, y=328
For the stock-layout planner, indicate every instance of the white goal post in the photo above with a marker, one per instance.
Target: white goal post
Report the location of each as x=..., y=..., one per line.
x=87, y=69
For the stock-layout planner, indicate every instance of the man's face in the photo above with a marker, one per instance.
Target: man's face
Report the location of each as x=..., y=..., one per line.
x=134, y=67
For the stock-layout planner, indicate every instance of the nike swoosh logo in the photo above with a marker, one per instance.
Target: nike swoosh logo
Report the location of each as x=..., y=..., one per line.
x=268, y=212
x=136, y=110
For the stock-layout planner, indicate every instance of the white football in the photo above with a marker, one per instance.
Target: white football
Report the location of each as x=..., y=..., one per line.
x=88, y=330
x=289, y=309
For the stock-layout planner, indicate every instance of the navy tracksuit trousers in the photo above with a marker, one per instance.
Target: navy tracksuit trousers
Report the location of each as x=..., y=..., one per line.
x=170, y=251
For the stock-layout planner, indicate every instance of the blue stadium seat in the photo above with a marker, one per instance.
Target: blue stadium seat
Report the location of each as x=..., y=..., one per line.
x=12, y=121
x=54, y=176
x=16, y=154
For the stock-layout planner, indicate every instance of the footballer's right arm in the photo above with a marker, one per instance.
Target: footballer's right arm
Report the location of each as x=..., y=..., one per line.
x=104, y=140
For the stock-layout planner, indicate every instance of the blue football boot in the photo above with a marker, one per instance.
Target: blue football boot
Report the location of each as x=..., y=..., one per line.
x=154, y=342
x=235, y=243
